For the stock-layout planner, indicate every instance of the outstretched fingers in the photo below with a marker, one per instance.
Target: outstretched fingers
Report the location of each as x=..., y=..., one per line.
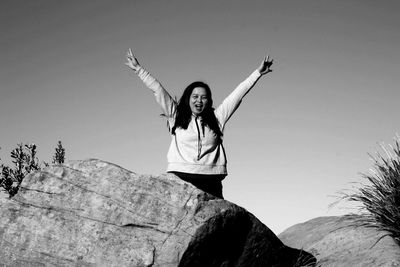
x=268, y=60
x=266, y=65
x=129, y=54
x=132, y=62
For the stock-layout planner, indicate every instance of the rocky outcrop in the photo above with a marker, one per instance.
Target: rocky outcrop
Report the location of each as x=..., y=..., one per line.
x=335, y=242
x=93, y=213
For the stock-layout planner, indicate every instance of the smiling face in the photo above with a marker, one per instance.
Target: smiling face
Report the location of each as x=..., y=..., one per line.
x=198, y=100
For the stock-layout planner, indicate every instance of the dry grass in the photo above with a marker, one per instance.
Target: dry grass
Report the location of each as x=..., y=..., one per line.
x=304, y=260
x=379, y=199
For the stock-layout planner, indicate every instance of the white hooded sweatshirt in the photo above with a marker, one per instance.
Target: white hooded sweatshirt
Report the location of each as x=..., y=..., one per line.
x=197, y=149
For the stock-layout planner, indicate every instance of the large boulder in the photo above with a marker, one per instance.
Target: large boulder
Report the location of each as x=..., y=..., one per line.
x=93, y=213
x=335, y=241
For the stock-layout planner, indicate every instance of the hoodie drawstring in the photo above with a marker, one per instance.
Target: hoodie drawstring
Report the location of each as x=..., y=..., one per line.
x=198, y=138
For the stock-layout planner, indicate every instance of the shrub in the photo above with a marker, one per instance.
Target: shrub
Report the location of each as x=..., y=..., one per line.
x=379, y=199
x=25, y=161
x=59, y=156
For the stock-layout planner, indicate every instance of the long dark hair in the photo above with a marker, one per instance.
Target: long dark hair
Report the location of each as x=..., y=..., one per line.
x=184, y=113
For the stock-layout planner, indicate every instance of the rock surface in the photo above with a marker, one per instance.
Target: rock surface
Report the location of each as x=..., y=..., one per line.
x=334, y=242
x=93, y=213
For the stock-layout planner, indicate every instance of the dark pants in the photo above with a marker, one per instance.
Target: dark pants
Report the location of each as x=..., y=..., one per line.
x=211, y=184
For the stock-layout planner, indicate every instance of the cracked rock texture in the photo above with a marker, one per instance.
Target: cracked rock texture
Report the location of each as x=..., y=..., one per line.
x=334, y=242
x=94, y=213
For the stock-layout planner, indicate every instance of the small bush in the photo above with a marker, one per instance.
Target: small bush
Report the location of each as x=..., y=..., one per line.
x=25, y=161
x=59, y=156
x=379, y=199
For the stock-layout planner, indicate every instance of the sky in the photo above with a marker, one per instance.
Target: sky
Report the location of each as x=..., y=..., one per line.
x=300, y=136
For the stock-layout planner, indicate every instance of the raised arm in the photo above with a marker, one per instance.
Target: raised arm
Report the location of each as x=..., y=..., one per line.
x=232, y=102
x=163, y=98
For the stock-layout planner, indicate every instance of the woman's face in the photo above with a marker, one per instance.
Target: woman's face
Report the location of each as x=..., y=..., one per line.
x=198, y=100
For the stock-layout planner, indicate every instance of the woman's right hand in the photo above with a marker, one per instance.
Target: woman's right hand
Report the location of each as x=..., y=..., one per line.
x=132, y=61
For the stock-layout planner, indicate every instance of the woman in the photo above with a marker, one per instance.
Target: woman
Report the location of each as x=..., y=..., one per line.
x=196, y=153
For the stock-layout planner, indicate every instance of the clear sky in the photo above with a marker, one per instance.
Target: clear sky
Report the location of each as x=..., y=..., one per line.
x=301, y=135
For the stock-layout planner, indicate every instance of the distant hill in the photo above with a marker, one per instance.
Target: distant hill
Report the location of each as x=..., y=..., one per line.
x=334, y=242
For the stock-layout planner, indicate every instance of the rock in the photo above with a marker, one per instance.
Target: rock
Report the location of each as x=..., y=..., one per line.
x=93, y=213
x=335, y=242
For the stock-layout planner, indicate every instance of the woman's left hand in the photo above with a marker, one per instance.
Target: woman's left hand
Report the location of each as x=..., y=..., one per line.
x=265, y=65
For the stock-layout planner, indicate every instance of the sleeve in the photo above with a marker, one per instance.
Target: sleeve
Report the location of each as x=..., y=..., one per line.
x=224, y=111
x=163, y=98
